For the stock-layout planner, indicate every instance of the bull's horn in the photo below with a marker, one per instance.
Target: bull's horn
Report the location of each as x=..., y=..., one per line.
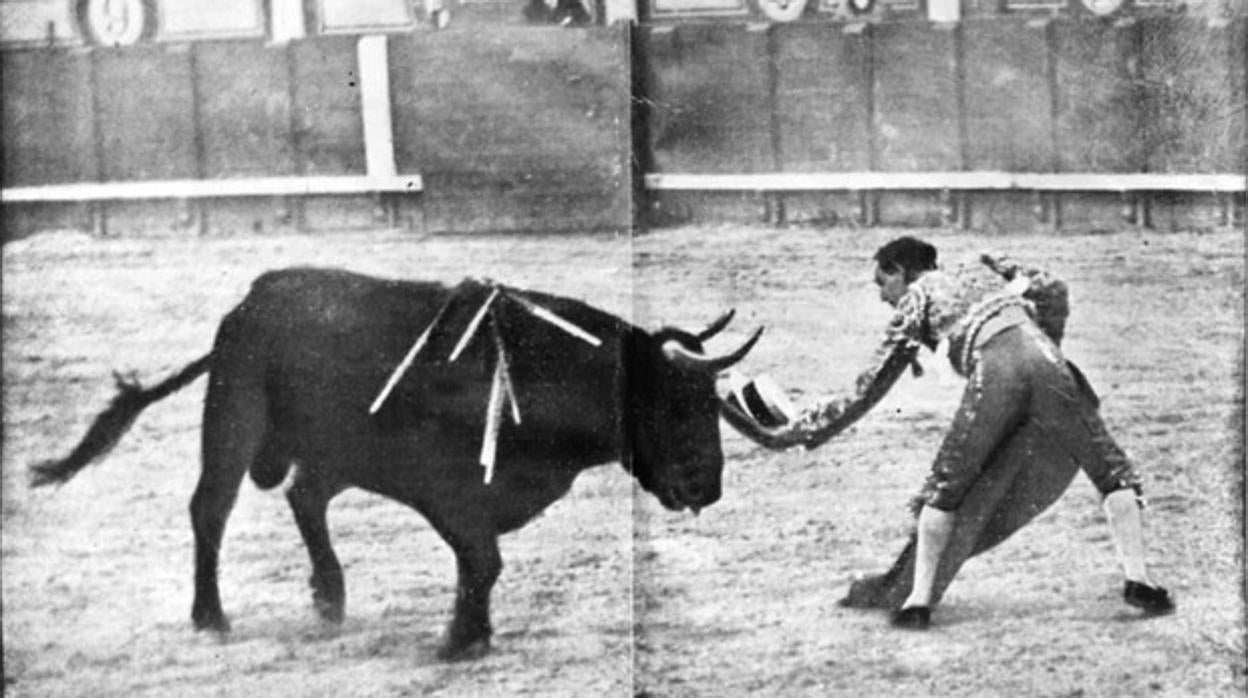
x=692, y=360
x=716, y=327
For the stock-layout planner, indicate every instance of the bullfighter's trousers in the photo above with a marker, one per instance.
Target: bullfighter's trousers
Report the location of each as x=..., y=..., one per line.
x=1026, y=424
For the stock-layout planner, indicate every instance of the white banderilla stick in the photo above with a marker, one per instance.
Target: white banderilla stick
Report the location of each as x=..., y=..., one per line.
x=406, y=363
x=501, y=391
x=555, y=320
x=472, y=326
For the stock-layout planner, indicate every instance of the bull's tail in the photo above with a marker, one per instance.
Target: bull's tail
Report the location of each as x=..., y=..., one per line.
x=113, y=423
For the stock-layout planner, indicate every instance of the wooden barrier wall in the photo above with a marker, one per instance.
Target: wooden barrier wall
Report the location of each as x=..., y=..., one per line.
x=528, y=128
x=513, y=128
x=521, y=130
x=1161, y=94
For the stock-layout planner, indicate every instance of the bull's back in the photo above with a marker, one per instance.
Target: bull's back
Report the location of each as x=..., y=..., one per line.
x=327, y=339
x=331, y=339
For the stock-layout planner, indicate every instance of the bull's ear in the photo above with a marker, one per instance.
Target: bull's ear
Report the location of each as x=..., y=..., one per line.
x=686, y=358
x=717, y=326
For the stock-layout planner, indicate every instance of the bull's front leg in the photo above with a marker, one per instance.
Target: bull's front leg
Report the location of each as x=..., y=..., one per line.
x=479, y=563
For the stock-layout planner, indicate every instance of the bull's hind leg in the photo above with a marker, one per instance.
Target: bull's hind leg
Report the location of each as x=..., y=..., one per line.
x=308, y=501
x=234, y=424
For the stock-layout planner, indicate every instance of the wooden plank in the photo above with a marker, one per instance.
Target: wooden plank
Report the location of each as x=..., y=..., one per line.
x=329, y=128
x=1098, y=118
x=709, y=98
x=915, y=102
x=146, y=112
x=244, y=110
x=824, y=97
x=1007, y=96
x=1188, y=95
x=211, y=188
x=46, y=117
x=936, y=181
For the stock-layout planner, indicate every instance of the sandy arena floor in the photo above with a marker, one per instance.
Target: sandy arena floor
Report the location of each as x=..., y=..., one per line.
x=607, y=593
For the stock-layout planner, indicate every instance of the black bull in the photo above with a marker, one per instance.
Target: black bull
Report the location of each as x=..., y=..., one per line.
x=296, y=365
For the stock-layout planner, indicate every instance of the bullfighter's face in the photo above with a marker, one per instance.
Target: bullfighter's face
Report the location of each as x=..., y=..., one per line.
x=892, y=284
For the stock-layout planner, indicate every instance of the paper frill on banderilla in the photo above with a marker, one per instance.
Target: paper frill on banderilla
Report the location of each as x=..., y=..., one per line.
x=502, y=391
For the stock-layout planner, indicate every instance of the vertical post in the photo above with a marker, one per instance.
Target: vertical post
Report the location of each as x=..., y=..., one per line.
x=613, y=12
x=197, y=208
x=286, y=20
x=1143, y=123
x=868, y=201
x=624, y=144
x=99, y=221
x=961, y=198
x=294, y=208
x=373, y=65
x=1053, y=202
x=1130, y=210
x=99, y=216
x=642, y=160
x=775, y=214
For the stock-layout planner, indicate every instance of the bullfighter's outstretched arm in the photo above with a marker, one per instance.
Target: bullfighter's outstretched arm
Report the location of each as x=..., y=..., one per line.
x=826, y=417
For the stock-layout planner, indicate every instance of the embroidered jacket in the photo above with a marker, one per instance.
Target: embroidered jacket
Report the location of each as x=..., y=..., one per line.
x=940, y=305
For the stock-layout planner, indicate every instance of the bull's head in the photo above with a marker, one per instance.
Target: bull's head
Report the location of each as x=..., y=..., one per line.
x=673, y=418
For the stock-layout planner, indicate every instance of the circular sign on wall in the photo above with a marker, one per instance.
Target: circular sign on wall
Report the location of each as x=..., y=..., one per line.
x=1101, y=8
x=782, y=10
x=116, y=22
x=860, y=7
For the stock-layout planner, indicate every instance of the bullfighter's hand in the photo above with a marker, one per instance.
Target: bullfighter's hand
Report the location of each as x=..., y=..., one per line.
x=781, y=438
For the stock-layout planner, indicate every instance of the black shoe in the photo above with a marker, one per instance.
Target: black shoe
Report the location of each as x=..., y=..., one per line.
x=912, y=618
x=1155, y=601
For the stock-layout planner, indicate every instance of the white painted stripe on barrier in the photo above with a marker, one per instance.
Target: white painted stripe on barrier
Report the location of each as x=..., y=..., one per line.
x=212, y=188
x=373, y=63
x=987, y=181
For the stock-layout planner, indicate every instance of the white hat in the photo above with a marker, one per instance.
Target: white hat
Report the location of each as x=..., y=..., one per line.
x=761, y=398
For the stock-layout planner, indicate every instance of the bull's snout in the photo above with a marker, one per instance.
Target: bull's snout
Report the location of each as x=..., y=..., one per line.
x=699, y=492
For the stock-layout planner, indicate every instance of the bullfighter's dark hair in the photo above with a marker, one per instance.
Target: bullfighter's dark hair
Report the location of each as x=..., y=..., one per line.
x=907, y=253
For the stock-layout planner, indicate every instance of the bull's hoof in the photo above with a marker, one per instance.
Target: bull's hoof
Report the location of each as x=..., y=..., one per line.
x=328, y=595
x=329, y=612
x=214, y=622
x=462, y=652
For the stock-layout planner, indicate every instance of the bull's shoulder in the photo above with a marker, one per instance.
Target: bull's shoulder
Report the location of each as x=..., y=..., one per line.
x=324, y=283
x=302, y=295
x=306, y=279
